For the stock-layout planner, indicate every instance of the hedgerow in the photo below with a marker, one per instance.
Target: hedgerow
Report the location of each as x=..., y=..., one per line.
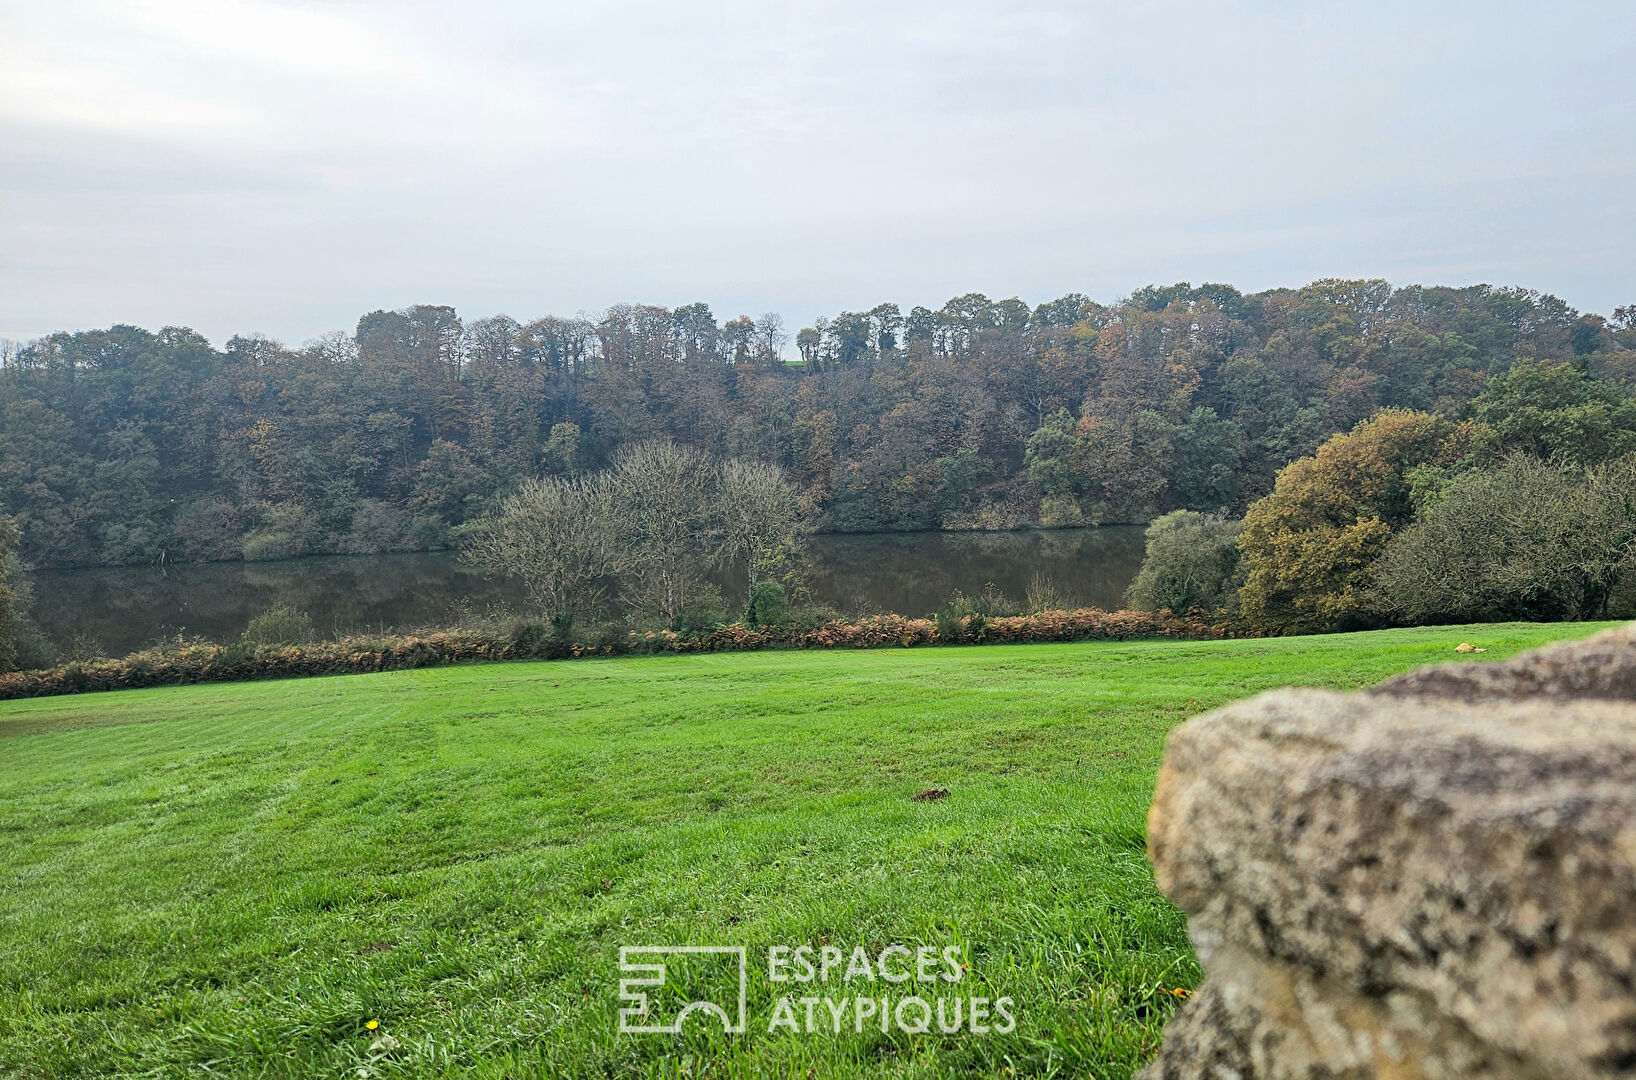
x=195, y=661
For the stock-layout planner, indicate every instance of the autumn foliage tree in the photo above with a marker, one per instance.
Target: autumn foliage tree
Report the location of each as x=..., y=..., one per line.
x=1309, y=547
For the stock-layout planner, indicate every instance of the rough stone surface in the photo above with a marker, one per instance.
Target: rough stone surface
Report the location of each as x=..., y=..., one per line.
x=1600, y=668
x=1435, y=878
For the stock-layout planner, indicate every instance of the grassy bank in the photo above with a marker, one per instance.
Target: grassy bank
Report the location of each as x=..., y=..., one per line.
x=239, y=877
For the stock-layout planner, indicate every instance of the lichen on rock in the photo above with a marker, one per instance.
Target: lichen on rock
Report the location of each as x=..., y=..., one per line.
x=1434, y=878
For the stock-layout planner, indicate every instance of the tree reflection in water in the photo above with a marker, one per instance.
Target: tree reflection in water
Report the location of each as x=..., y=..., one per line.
x=910, y=573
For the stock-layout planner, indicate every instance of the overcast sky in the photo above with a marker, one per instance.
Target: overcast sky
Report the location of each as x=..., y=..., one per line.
x=282, y=167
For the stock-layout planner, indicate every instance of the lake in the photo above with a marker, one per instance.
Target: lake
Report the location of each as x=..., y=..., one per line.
x=122, y=609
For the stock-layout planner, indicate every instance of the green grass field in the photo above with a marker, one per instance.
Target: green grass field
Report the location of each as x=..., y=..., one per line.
x=235, y=879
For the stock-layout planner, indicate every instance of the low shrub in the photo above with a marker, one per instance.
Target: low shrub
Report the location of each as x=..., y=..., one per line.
x=966, y=618
x=768, y=605
x=280, y=624
x=531, y=637
x=705, y=612
x=810, y=616
x=1043, y=594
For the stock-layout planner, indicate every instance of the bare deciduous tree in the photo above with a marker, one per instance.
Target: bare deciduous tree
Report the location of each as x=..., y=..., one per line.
x=761, y=515
x=665, y=496
x=660, y=518
x=556, y=536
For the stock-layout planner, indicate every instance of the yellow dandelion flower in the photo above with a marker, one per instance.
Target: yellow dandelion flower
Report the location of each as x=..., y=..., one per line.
x=373, y=1024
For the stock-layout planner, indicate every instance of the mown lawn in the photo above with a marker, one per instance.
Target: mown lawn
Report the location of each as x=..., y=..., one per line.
x=235, y=879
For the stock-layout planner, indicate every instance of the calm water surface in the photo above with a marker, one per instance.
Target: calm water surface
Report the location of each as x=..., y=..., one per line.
x=910, y=573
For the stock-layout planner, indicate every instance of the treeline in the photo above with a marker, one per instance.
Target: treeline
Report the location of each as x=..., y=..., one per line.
x=125, y=446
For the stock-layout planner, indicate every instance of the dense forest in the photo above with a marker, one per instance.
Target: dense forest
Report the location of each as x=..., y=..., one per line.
x=125, y=446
